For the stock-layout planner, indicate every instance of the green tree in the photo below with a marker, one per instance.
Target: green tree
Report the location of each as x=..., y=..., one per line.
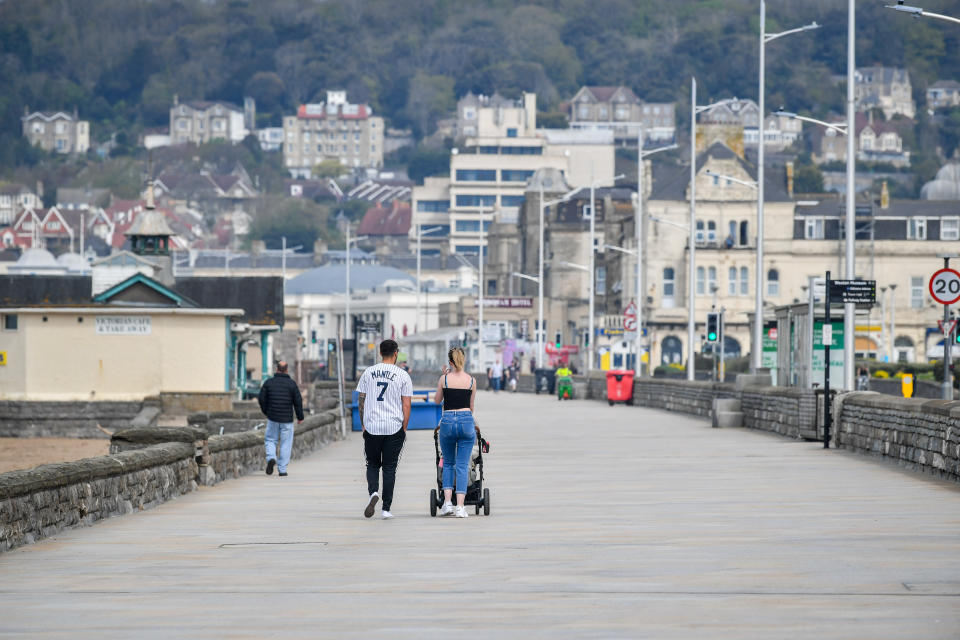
x=301, y=221
x=329, y=168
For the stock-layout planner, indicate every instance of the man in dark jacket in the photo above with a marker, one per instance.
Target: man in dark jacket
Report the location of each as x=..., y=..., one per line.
x=279, y=398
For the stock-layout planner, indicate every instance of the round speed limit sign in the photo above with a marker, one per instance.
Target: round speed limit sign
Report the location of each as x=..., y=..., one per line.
x=945, y=286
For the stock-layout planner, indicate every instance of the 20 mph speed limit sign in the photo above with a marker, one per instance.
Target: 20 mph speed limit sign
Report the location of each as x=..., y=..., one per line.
x=945, y=286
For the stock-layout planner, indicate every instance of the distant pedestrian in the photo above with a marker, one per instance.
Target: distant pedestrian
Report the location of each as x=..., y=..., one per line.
x=496, y=375
x=279, y=399
x=385, y=392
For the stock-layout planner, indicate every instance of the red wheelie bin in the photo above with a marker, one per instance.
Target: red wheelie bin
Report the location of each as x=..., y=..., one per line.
x=619, y=386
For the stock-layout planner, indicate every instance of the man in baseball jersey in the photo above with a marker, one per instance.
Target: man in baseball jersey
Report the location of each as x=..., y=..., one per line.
x=385, y=391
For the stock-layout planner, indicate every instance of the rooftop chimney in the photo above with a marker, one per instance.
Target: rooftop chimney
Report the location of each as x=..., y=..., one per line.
x=789, y=179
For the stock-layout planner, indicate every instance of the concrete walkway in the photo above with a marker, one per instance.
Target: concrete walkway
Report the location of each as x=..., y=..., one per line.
x=606, y=523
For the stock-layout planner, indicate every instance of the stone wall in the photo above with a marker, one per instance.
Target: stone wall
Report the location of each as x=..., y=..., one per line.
x=683, y=396
x=787, y=411
x=39, y=502
x=181, y=403
x=147, y=466
x=920, y=434
x=29, y=419
x=236, y=454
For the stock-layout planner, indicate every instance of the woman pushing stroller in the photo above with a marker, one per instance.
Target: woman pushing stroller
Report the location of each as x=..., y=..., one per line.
x=456, y=389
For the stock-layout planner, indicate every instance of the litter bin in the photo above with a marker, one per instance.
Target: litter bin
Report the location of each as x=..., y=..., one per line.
x=619, y=386
x=546, y=381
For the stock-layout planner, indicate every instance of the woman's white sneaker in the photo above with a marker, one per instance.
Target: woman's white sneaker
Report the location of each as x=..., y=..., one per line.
x=447, y=509
x=461, y=512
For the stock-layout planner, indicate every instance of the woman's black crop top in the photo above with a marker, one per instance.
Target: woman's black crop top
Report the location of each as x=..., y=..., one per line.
x=456, y=398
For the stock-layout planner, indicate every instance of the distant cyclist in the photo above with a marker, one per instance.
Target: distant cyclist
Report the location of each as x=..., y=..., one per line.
x=385, y=392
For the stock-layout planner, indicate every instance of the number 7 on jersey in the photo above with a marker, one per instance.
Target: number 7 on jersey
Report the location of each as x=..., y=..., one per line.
x=383, y=389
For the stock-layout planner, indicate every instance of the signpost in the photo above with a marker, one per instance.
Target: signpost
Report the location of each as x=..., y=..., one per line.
x=846, y=292
x=945, y=289
x=630, y=317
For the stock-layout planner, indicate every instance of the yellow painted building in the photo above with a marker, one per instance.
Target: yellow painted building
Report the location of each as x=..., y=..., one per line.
x=97, y=353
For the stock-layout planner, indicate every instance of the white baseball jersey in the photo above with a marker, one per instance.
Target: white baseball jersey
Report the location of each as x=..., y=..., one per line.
x=384, y=385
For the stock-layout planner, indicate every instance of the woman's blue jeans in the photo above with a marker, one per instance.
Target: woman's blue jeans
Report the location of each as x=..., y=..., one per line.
x=457, y=435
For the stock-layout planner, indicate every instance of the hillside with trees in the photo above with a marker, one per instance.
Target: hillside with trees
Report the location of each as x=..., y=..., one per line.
x=121, y=62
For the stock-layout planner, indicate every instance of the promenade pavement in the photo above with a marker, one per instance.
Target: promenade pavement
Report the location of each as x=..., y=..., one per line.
x=607, y=522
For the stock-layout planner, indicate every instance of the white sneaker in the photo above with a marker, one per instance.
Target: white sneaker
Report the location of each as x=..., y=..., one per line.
x=447, y=509
x=461, y=512
x=371, y=504
x=386, y=515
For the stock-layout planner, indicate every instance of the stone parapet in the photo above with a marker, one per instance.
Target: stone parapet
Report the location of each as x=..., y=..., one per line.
x=920, y=434
x=67, y=419
x=147, y=466
x=787, y=411
x=39, y=502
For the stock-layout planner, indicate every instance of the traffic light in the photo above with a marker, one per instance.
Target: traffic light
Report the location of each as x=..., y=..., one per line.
x=313, y=337
x=713, y=327
x=559, y=339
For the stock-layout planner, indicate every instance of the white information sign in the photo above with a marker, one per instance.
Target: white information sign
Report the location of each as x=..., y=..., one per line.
x=123, y=325
x=827, y=335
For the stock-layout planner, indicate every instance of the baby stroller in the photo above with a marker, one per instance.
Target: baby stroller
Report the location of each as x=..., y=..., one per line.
x=476, y=494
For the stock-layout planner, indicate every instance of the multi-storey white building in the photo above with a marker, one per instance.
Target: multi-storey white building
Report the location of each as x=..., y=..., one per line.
x=332, y=130
x=488, y=176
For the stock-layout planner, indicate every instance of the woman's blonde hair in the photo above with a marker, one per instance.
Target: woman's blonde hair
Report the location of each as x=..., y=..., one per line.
x=456, y=358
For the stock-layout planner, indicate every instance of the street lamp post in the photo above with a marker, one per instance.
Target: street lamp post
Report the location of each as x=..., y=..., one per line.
x=691, y=253
x=761, y=174
x=593, y=265
x=638, y=224
x=480, y=286
x=917, y=12
x=541, y=330
x=349, y=332
x=420, y=233
x=849, y=307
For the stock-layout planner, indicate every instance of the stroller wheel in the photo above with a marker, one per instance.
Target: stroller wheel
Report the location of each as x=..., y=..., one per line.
x=433, y=502
x=477, y=512
x=486, y=502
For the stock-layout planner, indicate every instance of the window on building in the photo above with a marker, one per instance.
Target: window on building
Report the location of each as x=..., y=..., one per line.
x=471, y=226
x=200, y=125
x=61, y=144
x=744, y=233
x=10, y=322
x=469, y=249
x=473, y=200
x=515, y=175
x=469, y=113
x=433, y=206
x=584, y=112
x=813, y=229
x=512, y=132
x=701, y=281
x=321, y=319
x=306, y=136
x=356, y=136
x=699, y=235
x=512, y=201
x=773, y=283
x=744, y=281
x=732, y=281
x=669, y=284
x=54, y=226
x=491, y=287
x=732, y=233
x=476, y=175
x=950, y=229
x=711, y=231
x=60, y=127
x=522, y=151
x=218, y=125
x=601, y=283
x=711, y=279
x=917, y=229
x=916, y=293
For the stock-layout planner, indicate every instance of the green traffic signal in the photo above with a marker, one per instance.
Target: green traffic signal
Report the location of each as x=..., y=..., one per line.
x=712, y=336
